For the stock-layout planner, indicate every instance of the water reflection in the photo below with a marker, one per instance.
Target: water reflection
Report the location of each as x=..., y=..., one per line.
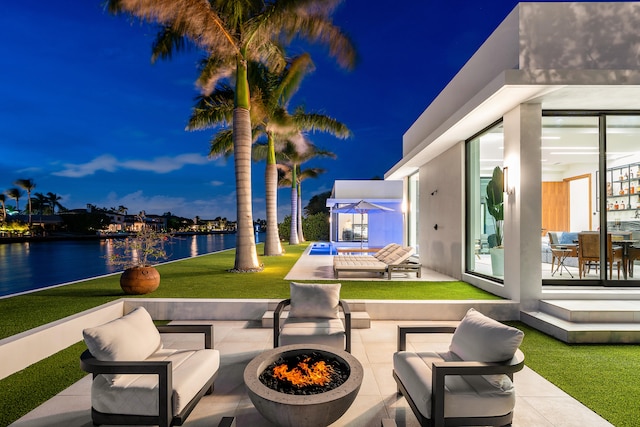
x=34, y=265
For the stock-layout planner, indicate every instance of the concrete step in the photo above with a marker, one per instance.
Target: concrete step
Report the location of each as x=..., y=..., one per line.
x=583, y=332
x=595, y=311
x=359, y=319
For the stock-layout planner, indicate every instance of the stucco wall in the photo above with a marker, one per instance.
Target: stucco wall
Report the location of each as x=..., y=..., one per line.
x=441, y=249
x=579, y=36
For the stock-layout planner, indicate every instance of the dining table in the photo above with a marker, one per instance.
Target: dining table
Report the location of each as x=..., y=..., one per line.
x=625, y=243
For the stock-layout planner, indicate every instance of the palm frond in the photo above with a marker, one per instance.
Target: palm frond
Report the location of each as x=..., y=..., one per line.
x=259, y=151
x=221, y=144
x=167, y=41
x=214, y=69
x=298, y=68
x=312, y=122
x=195, y=19
x=310, y=173
x=212, y=110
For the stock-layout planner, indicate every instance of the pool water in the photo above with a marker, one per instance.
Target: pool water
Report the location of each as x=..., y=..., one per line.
x=322, y=248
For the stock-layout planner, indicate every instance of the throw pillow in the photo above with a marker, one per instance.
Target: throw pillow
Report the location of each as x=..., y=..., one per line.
x=482, y=339
x=132, y=337
x=314, y=300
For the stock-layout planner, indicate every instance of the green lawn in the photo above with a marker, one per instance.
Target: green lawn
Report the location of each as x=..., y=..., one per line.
x=207, y=277
x=600, y=376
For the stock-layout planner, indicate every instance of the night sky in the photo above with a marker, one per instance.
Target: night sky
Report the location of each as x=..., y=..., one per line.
x=86, y=115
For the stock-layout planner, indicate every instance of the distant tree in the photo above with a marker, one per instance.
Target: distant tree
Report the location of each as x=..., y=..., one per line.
x=318, y=204
x=3, y=200
x=317, y=226
x=27, y=184
x=86, y=222
x=15, y=194
x=295, y=154
x=54, y=202
x=40, y=203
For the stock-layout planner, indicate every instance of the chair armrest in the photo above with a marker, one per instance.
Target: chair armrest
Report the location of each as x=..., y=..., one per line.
x=207, y=330
x=90, y=364
x=403, y=331
x=162, y=369
x=347, y=323
x=442, y=369
x=276, y=320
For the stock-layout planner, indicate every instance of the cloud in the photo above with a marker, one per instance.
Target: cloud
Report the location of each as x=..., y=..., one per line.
x=105, y=162
x=216, y=183
x=109, y=163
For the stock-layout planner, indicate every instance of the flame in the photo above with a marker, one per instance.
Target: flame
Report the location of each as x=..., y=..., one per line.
x=304, y=375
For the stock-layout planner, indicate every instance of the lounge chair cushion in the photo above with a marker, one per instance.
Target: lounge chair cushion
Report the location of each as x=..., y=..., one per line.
x=138, y=394
x=320, y=331
x=465, y=396
x=314, y=300
x=482, y=339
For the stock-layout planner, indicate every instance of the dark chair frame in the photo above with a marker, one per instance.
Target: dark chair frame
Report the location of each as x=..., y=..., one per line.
x=284, y=303
x=162, y=369
x=440, y=370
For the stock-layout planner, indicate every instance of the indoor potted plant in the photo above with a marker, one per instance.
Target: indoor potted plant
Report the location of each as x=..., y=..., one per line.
x=495, y=206
x=137, y=254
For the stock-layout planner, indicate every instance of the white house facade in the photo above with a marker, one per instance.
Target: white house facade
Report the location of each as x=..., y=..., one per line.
x=552, y=98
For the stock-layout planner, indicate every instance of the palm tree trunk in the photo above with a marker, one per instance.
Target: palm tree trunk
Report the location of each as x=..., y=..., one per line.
x=293, y=234
x=272, y=245
x=246, y=254
x=300, y=233
x=29, y=200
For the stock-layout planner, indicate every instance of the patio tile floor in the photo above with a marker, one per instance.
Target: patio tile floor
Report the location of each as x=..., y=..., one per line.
x=539, y=402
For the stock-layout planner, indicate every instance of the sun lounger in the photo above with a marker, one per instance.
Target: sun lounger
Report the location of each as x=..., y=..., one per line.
x=391, y=258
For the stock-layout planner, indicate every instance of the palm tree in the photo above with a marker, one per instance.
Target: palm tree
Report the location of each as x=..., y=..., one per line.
x=28, y=185
x=296, y=154
x=15, y=194
x=54, y=202
x=271, y=93
x=234, y=33
x=40, y=203
x=3, y=200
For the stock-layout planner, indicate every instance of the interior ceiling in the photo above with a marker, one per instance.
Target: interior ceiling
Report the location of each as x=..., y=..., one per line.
x=568, y=141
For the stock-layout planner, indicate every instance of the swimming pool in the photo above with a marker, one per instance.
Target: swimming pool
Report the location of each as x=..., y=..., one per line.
x=322, y=248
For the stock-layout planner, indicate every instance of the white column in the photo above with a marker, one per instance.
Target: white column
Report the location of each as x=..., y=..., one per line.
x=523, y=220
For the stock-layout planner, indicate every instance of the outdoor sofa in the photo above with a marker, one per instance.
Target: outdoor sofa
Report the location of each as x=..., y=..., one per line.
x=392, y=257
x=138, y=381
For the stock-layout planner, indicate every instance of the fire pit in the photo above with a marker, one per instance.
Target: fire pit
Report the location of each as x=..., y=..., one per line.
x=325, y=384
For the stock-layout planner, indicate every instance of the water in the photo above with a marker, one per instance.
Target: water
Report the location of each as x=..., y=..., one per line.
x=322, y=248
x=36, y=265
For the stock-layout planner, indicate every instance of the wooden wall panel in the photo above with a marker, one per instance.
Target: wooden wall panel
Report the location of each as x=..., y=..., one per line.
x=555, y=206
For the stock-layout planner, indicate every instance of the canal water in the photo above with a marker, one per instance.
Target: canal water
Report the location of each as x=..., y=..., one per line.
x=35, y=265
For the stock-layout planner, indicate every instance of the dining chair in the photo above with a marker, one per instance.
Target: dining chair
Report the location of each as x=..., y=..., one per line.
x=589, y=252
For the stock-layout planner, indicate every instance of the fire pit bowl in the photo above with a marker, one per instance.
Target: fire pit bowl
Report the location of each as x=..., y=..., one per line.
x=311, y=410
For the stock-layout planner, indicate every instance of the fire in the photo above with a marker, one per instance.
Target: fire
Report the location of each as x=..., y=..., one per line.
x=304, y=375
